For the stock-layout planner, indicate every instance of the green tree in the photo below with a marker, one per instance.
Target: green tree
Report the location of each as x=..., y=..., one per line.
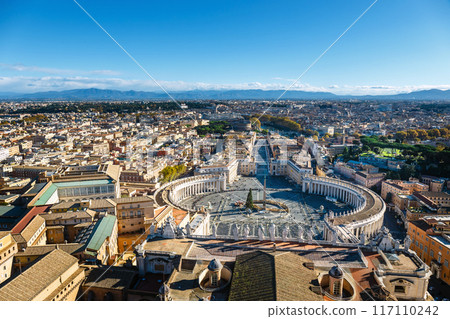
x=407, y=171
x=170, y=173
x=423, y=135
x=249, y=201
x=401, y=135
x=412, y=134
x=434, y=133
x=444, y=132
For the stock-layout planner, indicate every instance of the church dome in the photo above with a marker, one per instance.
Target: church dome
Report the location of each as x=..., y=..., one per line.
x=215, y=265
x=336, y=272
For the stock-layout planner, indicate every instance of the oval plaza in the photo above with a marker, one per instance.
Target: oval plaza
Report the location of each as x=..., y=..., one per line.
x=362, y=214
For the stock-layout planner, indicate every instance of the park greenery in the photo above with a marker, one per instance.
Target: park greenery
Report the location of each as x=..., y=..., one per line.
x=214, y=127
x=171, y=173
x=426, y=159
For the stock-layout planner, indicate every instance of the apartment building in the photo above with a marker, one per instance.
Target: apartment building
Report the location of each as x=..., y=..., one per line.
x=131, y=212
x=100, y=241
x=34, y=233
x=66, y=222
x=390, y=187
x=369, y=179
x=431, y=241
x=54, y=277
x=8, y=247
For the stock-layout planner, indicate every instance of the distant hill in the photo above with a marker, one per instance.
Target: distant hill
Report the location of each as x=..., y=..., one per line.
x=111, y=95
x=433, y=94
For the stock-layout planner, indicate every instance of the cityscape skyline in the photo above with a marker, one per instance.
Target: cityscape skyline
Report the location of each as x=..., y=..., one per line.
x=226, y=151
x=225, y=47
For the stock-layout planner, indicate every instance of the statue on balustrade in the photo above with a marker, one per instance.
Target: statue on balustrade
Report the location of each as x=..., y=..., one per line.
x=285, y=233
x=214, y=231
x=272, y=232
x=261, y=232
x=362, y=238
x=300, y=233
x=246, y=231
x=235, y=231
x=407, y=242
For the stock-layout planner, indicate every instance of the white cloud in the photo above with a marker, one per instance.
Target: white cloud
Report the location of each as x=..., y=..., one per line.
x=30, y=84
x=38, y=69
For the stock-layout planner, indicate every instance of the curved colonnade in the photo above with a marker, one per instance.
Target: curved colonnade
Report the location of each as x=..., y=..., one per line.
x=365, y=217
x=175, y=192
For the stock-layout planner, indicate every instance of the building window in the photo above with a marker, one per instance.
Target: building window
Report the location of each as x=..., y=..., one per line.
x=214, y=282
x=400, y=289
x=336, y=288
x=431, y=253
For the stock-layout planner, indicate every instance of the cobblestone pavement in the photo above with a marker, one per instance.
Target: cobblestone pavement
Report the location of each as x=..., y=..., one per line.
x=304, y=209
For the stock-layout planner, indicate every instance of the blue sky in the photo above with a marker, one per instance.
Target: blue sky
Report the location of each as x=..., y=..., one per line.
x=397, y=46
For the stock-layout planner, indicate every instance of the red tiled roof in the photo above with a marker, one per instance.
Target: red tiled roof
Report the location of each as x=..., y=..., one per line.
x=28, y=217
x=179, y=215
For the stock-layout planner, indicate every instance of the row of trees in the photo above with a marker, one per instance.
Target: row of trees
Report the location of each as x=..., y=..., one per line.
x=109, y=107
x=421, y=135
x=404, y=173
x=282, y=123
x=171, y=173
x=36, y=118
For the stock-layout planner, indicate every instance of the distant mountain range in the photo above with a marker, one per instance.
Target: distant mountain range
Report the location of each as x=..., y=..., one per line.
x=114, y=95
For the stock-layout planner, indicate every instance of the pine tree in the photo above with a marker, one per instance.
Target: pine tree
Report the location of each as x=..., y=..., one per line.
x=249, y=202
